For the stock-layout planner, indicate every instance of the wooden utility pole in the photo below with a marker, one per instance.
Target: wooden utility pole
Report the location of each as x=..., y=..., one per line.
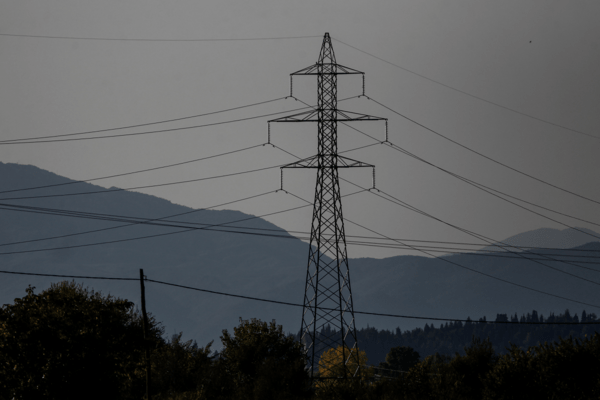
x=146, y=338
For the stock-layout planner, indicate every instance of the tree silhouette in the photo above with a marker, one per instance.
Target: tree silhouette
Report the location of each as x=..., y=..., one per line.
x=263, y=363
x=70, y=342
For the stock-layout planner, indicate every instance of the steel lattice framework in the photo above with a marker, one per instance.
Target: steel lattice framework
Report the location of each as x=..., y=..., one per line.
x=328, y=314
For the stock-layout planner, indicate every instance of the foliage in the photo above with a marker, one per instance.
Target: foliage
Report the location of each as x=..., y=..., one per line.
x=263, y=363
x=69, y=340
x=343, y=373
x=568, y=369
x=179, y=367
x=344, y=362
x=453, y=337
x=401, y=359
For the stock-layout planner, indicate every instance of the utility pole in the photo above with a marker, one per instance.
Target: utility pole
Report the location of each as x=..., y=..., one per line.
x=328, y=295
x=146, y=339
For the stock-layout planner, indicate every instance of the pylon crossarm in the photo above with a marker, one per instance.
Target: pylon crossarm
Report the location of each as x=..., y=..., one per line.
x=352, y=116
x=336, y=69
x=309, y=162
x=313, y=116
x=345, y=162
x=298, y=117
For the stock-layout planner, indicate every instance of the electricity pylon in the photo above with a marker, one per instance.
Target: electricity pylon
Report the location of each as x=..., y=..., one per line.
x=328, y=313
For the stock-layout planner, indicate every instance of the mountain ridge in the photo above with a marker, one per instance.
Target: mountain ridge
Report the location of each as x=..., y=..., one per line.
x=256, y=266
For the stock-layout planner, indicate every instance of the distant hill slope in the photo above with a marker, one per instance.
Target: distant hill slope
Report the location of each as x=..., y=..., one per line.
x=259, y=266
x=227, y=262
x=548, y=237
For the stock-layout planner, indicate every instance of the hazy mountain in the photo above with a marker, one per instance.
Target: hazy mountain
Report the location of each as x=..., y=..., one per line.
x=259, y=266
x=548, y=237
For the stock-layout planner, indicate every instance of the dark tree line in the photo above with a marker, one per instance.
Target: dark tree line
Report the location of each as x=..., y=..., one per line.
x=70, y=342
x=452, y=337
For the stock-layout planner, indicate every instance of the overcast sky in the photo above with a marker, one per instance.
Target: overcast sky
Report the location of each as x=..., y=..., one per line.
x=540, y=58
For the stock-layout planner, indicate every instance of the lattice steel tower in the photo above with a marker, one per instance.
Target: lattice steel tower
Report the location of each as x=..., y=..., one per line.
x=328, y=314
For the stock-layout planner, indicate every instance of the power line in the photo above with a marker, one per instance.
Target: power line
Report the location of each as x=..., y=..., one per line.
x=359, y=312
x=525, y=256
x=406, y=205
x=141, y=187
x=240, y=230
x=26, y=141
x=446, y=250
x=469, y=94
x=69, y=276
x=483, y=155
x=489, y=190
x=164, y=222
x=149, y=132
x=473, y=183
x=106, y=218
x=133, y=172
x=463, y=230
x=112, y=216
x=298, y=305
x=375, y=232
x=155, y=40
x=483, y=187
x=146, y=221
x=185, y=228
x=178, y=224
x=484, y=274
x=155, y=185
x=488, y=240
x=139, y=125
x=476, y=235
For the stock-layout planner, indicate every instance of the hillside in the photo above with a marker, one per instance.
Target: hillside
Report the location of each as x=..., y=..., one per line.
x=548, y=237
x=258, y=266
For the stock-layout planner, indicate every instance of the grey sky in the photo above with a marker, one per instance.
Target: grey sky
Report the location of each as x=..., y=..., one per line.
x=538, y=57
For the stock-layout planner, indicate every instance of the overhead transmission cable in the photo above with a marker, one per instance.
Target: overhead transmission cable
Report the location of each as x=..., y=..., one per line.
x=469, y=94
x=140, y=125
x=155, y=185
x=478, y=185
x=17, y=141
x=464, y=230
x=133, y=172
x=165, y=222
x=157, y=39
x=115, y=218
x=482, y=187
x=295, y=304
x=141, y=187
x=483, y=155
x=490, y=191
x=489, y=240
x=147, y=132
x=449, y=251
x=184, y=228
x=162, y=222
x=99, y=216
x=462, y=266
